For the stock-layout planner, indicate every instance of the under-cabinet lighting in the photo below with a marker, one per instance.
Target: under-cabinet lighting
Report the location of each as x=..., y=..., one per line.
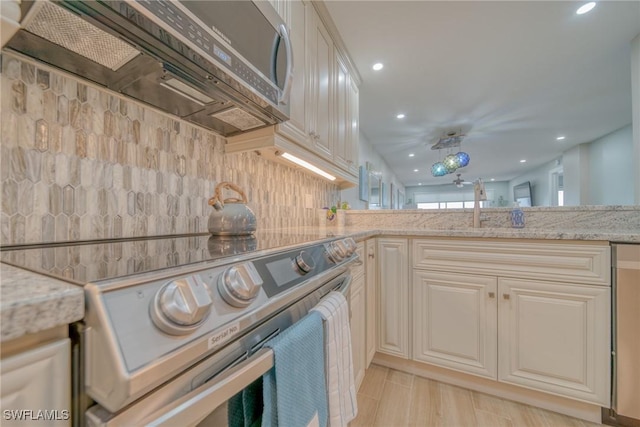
x=308, y=165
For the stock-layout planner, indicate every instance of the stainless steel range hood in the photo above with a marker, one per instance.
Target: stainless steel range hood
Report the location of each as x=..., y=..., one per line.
x=187, y=70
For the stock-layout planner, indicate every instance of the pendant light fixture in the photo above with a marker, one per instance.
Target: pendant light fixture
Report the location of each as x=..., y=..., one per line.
x=451, y=162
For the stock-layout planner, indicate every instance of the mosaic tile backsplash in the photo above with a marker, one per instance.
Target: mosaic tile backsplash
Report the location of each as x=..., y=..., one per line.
x=79, y=162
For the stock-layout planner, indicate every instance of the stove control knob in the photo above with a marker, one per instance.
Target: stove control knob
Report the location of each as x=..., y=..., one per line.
x=351, y=246
x=239, y=285
x=304, y=263
x=336, y=251
x=181, y=306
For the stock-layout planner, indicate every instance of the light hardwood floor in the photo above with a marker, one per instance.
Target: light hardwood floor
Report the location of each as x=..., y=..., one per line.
x=390, y=398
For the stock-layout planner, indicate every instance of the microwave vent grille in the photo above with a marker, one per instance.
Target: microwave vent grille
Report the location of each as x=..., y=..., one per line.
x=65, y=29
x=239, y=119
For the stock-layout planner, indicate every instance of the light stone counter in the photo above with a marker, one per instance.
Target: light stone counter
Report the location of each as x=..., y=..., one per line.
x=360, y=233
x=30, y=302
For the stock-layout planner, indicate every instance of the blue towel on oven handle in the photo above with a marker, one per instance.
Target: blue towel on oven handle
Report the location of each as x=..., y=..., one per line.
x=294, y=390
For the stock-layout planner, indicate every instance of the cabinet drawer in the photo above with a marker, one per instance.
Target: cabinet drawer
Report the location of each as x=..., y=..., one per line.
x=565, y=262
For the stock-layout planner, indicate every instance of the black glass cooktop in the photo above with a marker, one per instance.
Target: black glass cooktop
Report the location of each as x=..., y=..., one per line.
x=86, y=262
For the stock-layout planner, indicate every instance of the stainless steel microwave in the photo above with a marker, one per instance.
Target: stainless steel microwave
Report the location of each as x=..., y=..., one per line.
x=225, y=65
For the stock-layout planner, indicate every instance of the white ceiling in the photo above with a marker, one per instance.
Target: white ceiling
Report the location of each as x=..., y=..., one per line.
x=512, y=75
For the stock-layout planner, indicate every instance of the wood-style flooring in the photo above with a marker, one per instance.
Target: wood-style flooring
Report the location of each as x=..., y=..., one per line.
x=390, y=398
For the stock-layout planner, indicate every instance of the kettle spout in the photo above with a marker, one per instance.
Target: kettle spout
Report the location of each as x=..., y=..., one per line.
x=216, y=203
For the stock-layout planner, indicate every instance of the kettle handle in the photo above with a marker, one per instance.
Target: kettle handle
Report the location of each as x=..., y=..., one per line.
x=218, y=203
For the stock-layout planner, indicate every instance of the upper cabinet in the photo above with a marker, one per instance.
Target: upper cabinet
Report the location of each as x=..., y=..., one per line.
x=323, y=126
x=322, y=75
x=297, y=127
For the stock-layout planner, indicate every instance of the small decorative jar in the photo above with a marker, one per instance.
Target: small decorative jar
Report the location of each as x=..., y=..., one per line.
x=517, y=216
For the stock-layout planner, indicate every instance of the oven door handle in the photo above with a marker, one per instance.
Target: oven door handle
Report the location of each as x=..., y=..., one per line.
x=195, y=406
x=343, y=287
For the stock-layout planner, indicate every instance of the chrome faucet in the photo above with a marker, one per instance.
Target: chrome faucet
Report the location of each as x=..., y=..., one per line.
x=478, y=195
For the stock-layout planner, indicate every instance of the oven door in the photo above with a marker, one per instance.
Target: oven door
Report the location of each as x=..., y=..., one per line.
x=199, y=396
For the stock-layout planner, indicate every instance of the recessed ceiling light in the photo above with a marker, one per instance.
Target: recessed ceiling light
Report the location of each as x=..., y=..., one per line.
x=586, y=8
x=523, y=161
x=415, y=170
x=411, y=155
x=378, y=66
x=493, y=179
x=560, y=138
x=419, y=183
x=400, y=116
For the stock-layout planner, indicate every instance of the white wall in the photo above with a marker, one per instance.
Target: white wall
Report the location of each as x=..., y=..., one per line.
x=366, y=153
x=540, y=183
x=611, y=169
x=595, y=173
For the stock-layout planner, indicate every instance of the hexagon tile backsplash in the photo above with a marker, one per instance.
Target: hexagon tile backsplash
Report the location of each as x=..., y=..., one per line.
x=78, y=162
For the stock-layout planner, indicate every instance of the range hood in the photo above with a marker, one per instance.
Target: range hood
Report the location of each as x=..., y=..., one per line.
x=164, y=55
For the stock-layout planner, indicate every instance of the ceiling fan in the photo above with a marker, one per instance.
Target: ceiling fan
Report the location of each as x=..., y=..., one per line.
x=459, y=182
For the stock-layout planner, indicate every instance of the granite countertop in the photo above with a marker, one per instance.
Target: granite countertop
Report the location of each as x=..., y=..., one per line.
x=501, y=233
x=30, y=302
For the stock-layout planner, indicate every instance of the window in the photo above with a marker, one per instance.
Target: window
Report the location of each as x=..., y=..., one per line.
x=450, y=205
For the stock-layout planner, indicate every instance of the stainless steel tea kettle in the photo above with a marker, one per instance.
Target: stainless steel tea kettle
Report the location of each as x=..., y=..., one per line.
x=230, y=216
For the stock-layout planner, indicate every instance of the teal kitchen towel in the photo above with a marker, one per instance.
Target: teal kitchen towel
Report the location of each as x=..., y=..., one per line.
x=245, y=408
x=294, y=389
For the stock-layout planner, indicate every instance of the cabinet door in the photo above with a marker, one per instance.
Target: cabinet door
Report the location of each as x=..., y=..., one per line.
x=455, y=321
x=341, y=131
x=358, y=328
x=353, y=125
x=296, y=128
x=38, y=379
x=393, y=297
x=320, y=54
x=370, y=297
x=555, y=338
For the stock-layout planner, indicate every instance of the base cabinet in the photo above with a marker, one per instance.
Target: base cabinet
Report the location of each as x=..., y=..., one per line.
x=541, y=321
x=36, y=386
x=542, y=335
x=370, y=284
x=455, y=321
x=555, y=338
x=393, y=296
x=358, y=326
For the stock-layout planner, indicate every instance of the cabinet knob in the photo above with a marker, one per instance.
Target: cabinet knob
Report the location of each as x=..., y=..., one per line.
x=506, y=296
x=370, y=255
x=492, y=295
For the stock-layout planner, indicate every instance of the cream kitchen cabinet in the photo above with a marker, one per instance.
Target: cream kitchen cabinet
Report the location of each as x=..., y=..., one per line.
x=37, y=380
x=344, y=139
x=550, y=335
x=454, y=321
x=393, y=296
x=321, y=75
x=358, y=317
x=370, y=284
x=297, y=127
x=358, y=326
x=555, y=338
